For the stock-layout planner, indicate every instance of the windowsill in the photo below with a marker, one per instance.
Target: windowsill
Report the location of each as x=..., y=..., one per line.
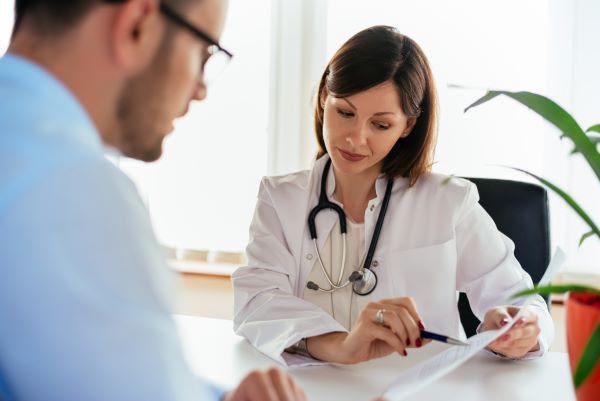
x=227, y=269
x=574, y=277
x=195, y=267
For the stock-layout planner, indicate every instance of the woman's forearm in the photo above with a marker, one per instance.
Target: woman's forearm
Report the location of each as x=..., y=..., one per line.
x=327, y=347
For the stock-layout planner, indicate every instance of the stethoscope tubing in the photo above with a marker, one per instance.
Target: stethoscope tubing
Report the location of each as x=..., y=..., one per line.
x=325, y=203
x=338, y=285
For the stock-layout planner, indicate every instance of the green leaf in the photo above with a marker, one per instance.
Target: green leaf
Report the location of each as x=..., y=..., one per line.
x=567, y=198
x=556, y=115
x=594, y=128
x=585, y=236
x=557, y=289
x=589, y=358
x=487, y=97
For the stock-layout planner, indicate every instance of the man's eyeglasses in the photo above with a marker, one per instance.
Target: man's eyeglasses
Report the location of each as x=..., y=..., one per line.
x=218, y=57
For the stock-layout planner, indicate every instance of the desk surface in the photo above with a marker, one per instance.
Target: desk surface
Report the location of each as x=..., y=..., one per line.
x=216, y=353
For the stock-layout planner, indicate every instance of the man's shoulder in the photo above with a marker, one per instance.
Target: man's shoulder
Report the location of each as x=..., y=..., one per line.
x=82, y=214
x=95, y=181
x=42, y=177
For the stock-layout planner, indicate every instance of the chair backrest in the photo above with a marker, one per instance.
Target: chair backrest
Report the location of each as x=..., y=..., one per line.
x=520, y=211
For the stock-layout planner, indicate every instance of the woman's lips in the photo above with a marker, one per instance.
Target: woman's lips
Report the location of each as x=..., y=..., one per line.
x=353, y=157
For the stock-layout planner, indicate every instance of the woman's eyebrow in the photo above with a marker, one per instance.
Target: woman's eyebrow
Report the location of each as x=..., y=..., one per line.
x=376, y=114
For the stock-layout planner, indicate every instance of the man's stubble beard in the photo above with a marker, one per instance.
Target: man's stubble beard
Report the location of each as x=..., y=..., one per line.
x=141, y=108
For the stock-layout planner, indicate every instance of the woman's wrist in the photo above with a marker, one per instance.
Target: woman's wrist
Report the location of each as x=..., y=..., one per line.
x=327, y=347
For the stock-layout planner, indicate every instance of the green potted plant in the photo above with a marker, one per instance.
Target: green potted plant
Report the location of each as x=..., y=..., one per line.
x=582, y=302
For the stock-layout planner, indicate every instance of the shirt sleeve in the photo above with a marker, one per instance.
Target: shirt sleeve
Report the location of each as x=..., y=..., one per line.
x=267, y=312
x=488, y=271
x=86, y=294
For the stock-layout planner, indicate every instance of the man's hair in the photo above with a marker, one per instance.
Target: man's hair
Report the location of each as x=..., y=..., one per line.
x=53, y=17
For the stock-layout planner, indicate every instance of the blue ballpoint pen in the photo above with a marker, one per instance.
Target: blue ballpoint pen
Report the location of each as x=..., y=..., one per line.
x=442, y=338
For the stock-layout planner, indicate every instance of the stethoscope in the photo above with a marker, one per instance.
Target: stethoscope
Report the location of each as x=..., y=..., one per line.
x=364, y=280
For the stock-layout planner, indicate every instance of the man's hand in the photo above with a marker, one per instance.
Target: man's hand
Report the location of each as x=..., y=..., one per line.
x=269, y=385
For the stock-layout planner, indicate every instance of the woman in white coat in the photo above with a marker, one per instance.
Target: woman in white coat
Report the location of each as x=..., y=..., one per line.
x=375, y=124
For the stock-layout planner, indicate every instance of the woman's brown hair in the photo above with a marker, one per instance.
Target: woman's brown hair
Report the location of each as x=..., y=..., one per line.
x=369, y=58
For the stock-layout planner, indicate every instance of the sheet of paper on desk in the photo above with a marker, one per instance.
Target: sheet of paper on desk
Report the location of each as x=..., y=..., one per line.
x=419, y=376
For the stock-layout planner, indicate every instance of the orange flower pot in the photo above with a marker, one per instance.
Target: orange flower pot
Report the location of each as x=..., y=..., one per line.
x=583, y=315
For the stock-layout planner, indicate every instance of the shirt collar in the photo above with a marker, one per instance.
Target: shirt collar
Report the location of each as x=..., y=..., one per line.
x=53, y=110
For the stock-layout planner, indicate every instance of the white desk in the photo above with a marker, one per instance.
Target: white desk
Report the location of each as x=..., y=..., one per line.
x=216, y=353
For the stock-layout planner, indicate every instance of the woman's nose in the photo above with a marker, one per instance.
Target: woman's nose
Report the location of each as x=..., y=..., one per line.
x=358, y=135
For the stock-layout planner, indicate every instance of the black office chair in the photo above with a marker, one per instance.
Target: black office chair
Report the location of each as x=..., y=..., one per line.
x=520, y=211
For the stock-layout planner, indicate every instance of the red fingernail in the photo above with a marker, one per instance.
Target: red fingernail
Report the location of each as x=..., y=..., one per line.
x=404, y=353
x=421, y=326
x=504, y=322
x=408, y=342
x=418, y=342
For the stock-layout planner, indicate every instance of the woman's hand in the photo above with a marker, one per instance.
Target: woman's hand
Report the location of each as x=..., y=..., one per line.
x=369, y=339
x=520, y=339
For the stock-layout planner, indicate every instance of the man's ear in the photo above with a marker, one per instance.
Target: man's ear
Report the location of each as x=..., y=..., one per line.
x=136, y=33
x=410, y=124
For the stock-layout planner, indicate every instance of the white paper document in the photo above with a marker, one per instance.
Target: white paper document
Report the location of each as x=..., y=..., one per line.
x=425, y=373
x=558, y=259
x=419, y=376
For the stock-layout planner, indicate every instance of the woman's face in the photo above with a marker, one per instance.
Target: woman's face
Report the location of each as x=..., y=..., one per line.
x=361, y=129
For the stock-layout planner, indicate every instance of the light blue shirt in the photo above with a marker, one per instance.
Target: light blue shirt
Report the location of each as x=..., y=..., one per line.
x=85, y=292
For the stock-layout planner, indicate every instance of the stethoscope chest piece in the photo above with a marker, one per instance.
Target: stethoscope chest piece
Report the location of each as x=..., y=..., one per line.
x=363, y=281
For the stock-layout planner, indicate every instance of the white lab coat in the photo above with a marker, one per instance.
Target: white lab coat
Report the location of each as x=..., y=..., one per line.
x=436, y=240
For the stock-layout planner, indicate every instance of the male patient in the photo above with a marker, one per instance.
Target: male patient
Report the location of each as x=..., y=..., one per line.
x=85, y=293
